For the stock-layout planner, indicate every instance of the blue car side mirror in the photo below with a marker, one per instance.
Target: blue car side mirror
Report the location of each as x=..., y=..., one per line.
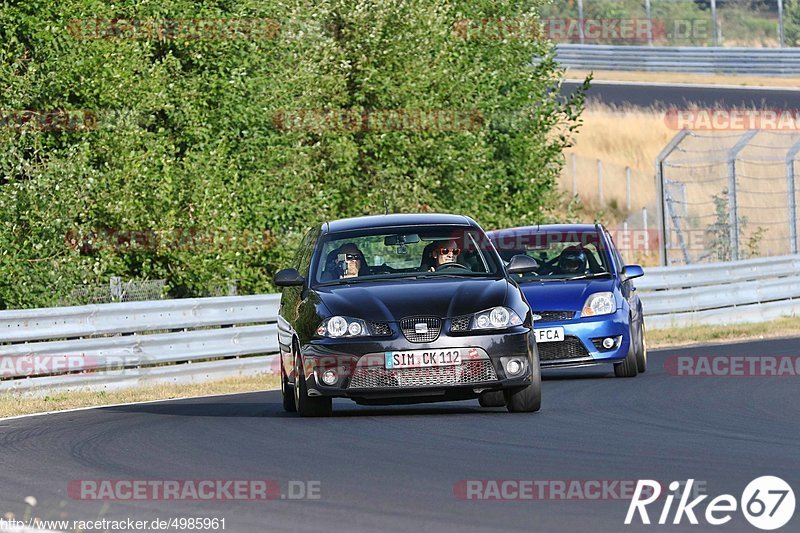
x=632, y=271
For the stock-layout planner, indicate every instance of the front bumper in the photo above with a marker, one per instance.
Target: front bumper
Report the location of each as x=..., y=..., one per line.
x=362, y=375
x=578, y=347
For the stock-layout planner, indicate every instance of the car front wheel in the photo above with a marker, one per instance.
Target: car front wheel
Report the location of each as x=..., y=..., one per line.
x=305, y=404
x=527, y=399
x=287, y=394
x=641, y=351
x=628, y=368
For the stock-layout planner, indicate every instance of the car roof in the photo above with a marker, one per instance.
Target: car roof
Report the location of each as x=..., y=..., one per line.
x=542, y=228
x=403, y=219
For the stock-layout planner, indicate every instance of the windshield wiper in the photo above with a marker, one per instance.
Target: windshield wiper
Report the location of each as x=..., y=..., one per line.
x=590, y=276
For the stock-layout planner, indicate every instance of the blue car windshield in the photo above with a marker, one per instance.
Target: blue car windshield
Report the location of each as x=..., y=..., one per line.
x=406, y=252
x=562, y=255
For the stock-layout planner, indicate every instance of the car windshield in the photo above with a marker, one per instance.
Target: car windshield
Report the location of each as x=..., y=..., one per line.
x=407, y=252
x=562, y=255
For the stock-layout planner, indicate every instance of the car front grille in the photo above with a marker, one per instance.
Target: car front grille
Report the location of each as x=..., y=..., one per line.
x=460, y=323
x=380, y=329
x=570, y=348
x=378, y=377
x=553, y=316
x=433, y=324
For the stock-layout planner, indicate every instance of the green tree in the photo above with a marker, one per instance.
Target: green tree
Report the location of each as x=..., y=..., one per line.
x=189, y=138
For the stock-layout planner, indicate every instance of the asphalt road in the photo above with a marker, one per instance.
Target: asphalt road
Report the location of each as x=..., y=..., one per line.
x=396, y=468
x=665, y=95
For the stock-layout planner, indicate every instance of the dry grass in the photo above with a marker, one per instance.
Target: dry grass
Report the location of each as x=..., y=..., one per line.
x=619, y=137
x=18, y=404
x=678, y=77
x=784, y=327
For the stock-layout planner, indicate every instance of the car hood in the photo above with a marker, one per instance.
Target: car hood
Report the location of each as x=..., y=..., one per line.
x=392, y=300
x=563, y=295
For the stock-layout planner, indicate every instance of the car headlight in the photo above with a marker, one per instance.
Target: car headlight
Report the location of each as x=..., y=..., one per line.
x=340, y=326
x=599, y=303
x=496, y=318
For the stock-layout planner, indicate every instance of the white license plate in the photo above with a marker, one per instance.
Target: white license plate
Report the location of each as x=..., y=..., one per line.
x=549, y=334
x=422, y=358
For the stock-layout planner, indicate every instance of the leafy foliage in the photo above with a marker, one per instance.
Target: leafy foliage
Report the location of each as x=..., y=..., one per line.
x=185, y=136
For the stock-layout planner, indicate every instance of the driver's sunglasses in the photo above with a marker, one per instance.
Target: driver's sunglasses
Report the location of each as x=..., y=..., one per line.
x=352, y=257
x=445, y=251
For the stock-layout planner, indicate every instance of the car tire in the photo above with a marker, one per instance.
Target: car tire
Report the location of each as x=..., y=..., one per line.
x=305, y=404
x=628, y=367
x=494, y=398
x=287, y=394
x=527, y=399
x=641, y=352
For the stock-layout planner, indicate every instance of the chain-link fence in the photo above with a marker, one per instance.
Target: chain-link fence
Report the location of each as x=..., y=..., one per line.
x=752, y=23
x=117, y=291
x=728, y=196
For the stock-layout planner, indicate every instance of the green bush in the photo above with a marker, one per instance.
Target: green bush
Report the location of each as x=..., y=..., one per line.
x=188, y=137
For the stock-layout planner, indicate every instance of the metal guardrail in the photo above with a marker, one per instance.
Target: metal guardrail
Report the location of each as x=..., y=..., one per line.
x=753, y=290
x=122, y=344
x=108, y=346
x=707, y=60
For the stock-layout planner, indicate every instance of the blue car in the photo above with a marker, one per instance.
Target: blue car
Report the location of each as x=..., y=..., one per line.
x=585, y=307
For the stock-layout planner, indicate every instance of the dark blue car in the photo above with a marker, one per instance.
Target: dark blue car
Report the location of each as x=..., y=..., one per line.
x=585, y=307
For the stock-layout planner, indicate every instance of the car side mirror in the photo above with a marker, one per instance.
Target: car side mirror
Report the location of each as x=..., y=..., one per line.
x=522, y=264
x=289, y=277
x=632, y=271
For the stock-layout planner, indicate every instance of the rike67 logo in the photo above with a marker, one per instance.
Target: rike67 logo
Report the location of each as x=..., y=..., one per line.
x=767, y=503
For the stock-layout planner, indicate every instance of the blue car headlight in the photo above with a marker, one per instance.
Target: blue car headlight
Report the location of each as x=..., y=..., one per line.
x=496, y=318
x=340, y=326
x=599, y=303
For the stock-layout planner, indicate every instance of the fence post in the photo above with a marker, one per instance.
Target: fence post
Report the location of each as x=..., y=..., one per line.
x=650, y=25
x=780, y=22
x=574, y=175
x=660, y=202
x=628, y=188
x=790, y=177
x=732, y=204
x=646, y=234
x=580, y=20
x=600, y=182
x=115, y=288
x=714, y=40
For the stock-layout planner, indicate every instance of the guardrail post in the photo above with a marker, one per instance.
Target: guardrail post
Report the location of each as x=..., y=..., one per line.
x=660, y=204
x=790, y=178
x=732, y=205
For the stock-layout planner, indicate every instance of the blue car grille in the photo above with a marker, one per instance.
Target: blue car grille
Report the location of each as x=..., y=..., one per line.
x=570, y=348
x=554, y=316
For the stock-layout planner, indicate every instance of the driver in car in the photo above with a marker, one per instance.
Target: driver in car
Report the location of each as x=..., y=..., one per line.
x=572, y=261
x=352, y=260
x=444, y=252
